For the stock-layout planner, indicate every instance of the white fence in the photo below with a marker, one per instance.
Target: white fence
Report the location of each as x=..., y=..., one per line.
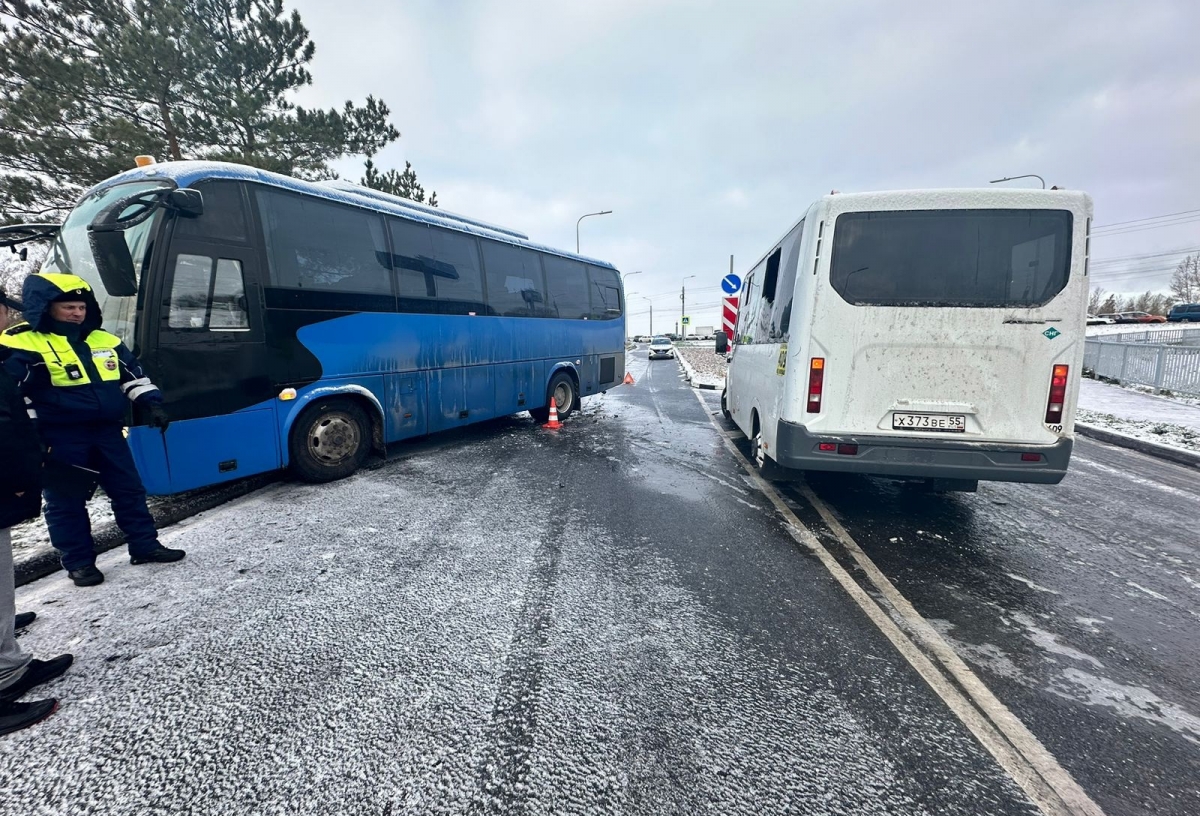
x=1167, y=360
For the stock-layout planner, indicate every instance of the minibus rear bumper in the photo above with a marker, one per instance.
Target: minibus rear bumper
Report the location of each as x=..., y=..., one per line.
x=921, y=457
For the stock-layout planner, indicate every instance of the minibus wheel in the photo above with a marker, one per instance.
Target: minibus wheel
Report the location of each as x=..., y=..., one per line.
x=330, y=440
x=725, y=405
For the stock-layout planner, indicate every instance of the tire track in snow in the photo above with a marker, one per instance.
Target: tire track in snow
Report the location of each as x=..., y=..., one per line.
x=504, y=768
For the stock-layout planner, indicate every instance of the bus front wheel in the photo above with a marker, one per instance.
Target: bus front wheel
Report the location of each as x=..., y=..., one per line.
x=562, y=391
x=330, y=440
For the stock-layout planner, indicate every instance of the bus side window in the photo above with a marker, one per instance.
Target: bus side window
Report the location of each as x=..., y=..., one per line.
x=771, y=278
x=416, y=270
x=515, y=284
x=460, y=278
x=319, y=246
x=207, y=293
x=606, y=293
x=566, y=288
x=224, y=217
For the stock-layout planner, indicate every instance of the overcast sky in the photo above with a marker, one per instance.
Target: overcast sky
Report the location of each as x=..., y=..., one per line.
x=708, y=128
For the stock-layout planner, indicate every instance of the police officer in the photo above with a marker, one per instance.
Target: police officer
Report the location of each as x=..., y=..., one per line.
x=75, y=378
x=20, y=500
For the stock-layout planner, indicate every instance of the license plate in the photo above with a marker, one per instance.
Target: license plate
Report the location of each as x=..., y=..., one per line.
x=950, y=423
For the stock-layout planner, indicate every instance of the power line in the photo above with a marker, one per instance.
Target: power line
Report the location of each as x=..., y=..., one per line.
x=1140, y=220
x=1184, y=251
x=1144, y=227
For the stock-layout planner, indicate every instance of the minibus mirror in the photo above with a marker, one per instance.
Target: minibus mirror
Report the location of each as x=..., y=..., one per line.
x=114, y=262
x=722, y=342
x=186, y=201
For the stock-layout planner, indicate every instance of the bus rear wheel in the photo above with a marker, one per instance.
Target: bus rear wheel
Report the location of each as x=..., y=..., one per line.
x=330, y=440
x=562, y=391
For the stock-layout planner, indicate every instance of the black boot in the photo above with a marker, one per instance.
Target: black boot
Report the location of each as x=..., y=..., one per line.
x=15, y=716
x=87, y=576
x=36, y=673
x=23, y=619
x=159, y=555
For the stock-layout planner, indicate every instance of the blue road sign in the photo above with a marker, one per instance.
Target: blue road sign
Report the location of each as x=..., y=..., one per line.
x=731, y=283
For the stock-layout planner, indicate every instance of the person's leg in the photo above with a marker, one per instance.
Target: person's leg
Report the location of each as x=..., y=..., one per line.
x=66, y=513
x=120, y=480
x=12, y=660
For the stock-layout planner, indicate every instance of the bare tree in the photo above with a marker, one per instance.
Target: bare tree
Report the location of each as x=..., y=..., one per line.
x=1185, y=282
x=1095, y=299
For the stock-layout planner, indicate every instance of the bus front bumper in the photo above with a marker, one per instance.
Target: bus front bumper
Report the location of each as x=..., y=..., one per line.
x=921, y=457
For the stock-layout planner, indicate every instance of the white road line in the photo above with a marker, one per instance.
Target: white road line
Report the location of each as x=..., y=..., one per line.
x=1015, y=748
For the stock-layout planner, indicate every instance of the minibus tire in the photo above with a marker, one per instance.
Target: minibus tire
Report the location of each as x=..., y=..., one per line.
x=725, y=405
x=339, y=423
x=561, y=380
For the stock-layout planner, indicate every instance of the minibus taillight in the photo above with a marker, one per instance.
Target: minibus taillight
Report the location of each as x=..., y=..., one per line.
x=1058, y=394
x=816, y=383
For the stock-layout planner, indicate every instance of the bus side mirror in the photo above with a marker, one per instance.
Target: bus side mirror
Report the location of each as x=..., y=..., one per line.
x=722, y=342
x=186, y=201
x=114, y=262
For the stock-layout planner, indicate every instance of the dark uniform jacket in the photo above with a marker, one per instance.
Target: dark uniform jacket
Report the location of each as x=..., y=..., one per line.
x=20, y=458
x=74, y=375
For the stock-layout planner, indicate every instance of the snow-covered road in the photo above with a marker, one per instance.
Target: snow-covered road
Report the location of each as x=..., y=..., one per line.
x=606, y=620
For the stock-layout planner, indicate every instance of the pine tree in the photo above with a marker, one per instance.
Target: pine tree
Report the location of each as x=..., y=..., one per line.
x=89, y=84
x=403, y=184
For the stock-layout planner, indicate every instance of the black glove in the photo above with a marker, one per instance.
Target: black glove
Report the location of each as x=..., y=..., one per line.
x=156, y=417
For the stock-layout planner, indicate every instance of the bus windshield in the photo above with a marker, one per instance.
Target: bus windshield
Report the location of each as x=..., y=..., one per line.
x=981, y=258
x=71, y=254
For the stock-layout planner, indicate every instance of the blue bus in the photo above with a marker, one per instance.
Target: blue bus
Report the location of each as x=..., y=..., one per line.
x=305, y=325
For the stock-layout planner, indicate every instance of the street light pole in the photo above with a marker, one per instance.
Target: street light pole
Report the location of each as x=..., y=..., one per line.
x=683, y=307
x=1014, y=178
x=586, y=215
x=625, y=295
x=651, y=302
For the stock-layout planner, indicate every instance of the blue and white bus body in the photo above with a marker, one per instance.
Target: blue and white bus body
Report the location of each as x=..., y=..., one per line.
x=237, y=386
x=930, y=349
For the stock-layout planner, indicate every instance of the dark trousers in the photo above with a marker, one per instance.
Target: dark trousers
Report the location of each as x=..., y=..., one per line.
x=103, y=449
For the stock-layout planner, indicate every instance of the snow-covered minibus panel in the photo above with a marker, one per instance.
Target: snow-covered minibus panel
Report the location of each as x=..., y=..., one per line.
x=925, y=335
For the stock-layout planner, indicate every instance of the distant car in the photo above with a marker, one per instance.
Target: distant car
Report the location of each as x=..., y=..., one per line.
x=661, y=347
x=1098, y=320
x=1109, y=317
x=1140, y=317
x=1184, y=313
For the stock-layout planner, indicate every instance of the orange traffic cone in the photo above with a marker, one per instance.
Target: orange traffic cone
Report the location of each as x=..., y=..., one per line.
x=553, y=424
x=628, y=379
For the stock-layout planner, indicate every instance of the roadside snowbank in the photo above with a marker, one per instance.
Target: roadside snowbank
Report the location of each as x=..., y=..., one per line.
x=702, y=366
x=1162, y=433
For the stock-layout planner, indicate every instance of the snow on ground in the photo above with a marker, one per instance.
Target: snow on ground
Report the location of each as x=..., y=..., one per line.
x=1131, y=328
x=1103, y=398
x=1163, y=420
x=32, y=539
x=703, y=365
x=421, y=639
x=1175, y=436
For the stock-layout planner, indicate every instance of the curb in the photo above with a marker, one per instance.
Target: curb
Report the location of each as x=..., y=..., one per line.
x=1175, y=455
x=109, y=537
x=690, y=374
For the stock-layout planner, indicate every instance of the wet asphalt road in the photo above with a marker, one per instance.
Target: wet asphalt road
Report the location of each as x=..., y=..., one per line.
x=611, y=619
x=1078, y=604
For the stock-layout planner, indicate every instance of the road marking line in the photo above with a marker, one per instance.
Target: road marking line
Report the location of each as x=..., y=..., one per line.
x=1015, y=748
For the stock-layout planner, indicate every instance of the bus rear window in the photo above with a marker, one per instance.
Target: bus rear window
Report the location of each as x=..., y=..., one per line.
x=964, y=258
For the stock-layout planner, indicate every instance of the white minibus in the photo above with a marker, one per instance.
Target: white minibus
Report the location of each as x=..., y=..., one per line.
x=931, y=335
